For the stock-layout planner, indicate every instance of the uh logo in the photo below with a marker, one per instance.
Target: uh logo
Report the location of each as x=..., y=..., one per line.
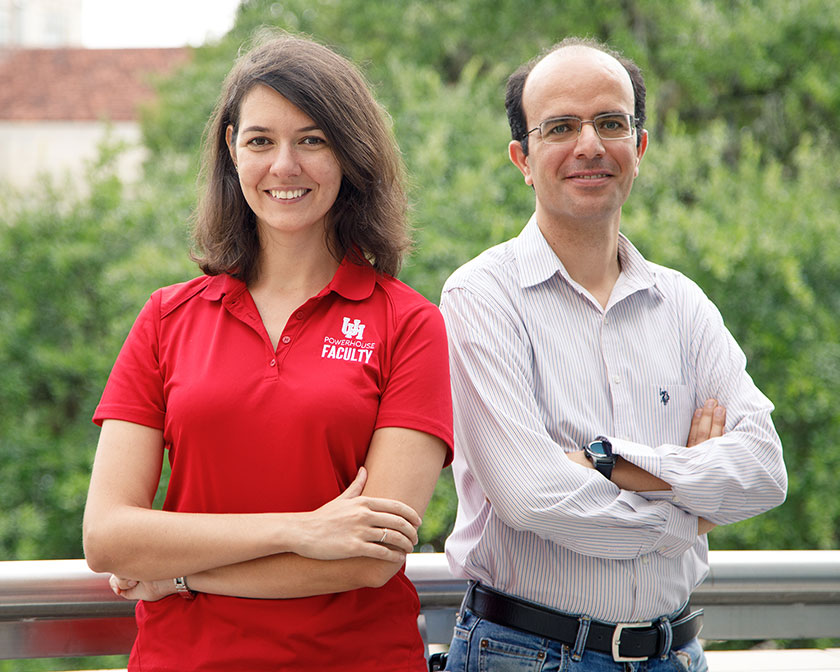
x=352, y=349
x=353, y=329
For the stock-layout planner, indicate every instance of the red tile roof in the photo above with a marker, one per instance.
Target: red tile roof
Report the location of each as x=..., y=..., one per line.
x=80, y=84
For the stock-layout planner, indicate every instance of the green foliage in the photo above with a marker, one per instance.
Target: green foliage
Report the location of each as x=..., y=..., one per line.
x=767, y=65
x=64, y=664
x=760, y=237
x=456, y=152
x=439, y=517
x=72, y=277
x=739, y=190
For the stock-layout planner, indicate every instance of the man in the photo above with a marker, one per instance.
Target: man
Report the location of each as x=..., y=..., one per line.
x=585, y=487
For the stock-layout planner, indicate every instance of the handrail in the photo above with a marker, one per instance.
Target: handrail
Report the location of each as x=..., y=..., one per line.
x=774, y=577
x=50, y=607
x=57, y=589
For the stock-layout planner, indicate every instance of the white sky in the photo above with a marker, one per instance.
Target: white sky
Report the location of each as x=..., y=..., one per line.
x=154, y=23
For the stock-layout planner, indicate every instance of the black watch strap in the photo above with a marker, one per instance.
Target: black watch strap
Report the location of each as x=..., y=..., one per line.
x=605, y=467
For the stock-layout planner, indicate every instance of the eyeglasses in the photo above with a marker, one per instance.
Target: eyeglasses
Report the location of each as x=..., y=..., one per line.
x=610, y=126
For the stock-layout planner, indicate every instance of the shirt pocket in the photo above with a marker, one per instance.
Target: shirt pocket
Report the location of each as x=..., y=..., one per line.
x=663, y=413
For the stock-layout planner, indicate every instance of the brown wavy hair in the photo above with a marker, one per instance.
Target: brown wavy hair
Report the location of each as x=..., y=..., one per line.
x=368, y=218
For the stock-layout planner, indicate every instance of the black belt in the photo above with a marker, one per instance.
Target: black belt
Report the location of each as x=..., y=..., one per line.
x=624, y=641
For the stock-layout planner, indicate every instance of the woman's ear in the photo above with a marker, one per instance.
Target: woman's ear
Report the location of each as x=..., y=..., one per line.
x=229, y=141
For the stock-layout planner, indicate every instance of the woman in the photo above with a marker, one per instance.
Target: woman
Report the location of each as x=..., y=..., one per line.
x=301, y=391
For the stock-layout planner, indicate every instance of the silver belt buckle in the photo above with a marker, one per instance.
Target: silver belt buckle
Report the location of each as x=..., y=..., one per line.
x=616, y=640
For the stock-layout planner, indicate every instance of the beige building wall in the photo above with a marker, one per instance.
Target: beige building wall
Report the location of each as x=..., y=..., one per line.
x=61, y=149
x=40, y=23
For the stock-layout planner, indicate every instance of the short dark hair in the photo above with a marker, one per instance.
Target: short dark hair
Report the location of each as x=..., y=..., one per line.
x=368, y=218
x=516, y=87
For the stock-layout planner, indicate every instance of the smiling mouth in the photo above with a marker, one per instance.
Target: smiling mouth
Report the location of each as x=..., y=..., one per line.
x=287, y=195
x=596, y=176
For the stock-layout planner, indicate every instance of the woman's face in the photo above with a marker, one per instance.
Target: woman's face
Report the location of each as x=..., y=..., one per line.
x=288, y=172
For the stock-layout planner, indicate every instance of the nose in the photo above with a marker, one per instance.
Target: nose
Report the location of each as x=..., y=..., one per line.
x=589, y=143
x=285, y=160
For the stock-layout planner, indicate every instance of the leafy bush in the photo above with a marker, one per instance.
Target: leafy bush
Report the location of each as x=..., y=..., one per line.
x=739, y=190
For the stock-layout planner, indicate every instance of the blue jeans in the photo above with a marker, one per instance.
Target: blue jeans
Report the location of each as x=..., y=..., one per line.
x=482, y=646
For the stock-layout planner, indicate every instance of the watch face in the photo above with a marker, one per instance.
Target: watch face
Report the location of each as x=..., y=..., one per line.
x=597, y=448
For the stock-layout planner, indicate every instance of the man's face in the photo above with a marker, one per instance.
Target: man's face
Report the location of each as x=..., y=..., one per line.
x=585, y=181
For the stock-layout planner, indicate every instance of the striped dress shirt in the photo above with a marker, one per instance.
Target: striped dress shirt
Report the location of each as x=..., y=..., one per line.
x=540, y=368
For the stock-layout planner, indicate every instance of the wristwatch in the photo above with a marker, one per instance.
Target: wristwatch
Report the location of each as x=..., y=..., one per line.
x=600, y=454
x=183, y=589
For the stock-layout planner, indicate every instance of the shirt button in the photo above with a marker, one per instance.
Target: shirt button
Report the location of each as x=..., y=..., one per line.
x=617, y=380
x=645, y=559
x=299, y=314
x=286, y=339
x=272, y=362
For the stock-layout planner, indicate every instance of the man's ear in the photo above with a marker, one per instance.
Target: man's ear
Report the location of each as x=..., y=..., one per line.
x=520, y=160
x=640, y=151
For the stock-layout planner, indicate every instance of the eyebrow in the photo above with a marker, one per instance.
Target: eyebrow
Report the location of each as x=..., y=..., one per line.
x=254, y=129
x=598, y=114
x=265, y=129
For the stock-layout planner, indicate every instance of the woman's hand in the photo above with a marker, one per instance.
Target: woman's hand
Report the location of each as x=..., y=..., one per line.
x=354, y=526
x=149, y=591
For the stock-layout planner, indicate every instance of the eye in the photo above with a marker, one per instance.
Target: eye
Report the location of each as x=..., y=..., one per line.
x=560, y=126
x=313, y=141
x=616, y=123
x=258, y=141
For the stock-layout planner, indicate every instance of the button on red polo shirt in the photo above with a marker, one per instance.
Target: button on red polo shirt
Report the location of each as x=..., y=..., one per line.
x=253, y=429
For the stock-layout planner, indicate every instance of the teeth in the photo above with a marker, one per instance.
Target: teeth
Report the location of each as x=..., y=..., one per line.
x=592, y=177
x=287, y=195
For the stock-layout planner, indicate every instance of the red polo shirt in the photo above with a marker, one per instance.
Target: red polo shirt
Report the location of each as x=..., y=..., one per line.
x=250, y=429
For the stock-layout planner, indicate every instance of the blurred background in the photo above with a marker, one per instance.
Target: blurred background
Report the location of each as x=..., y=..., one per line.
x=100, y=128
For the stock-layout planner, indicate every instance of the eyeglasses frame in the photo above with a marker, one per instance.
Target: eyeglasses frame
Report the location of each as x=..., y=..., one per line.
x=631, y=119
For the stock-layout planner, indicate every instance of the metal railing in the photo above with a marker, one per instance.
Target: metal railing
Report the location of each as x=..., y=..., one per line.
x=60, y=608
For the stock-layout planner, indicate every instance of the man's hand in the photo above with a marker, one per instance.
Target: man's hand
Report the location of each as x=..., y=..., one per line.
x=708, y=423
x=704, y=526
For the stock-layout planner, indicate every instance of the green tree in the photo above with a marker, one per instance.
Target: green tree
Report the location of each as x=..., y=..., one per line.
x=760, y=237
x=738, y=190
x=72, y=277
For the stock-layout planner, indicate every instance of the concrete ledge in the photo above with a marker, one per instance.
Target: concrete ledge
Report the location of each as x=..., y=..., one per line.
x=781, y=660
x=784, y=660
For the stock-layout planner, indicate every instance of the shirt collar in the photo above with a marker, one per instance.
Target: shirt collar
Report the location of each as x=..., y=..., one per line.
x=637, y=273
x=222, y=285
x=534, y=256
x=537, y=263
x=353, y=281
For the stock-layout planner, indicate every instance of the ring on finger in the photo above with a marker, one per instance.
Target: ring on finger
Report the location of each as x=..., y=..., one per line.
x=384, y=534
